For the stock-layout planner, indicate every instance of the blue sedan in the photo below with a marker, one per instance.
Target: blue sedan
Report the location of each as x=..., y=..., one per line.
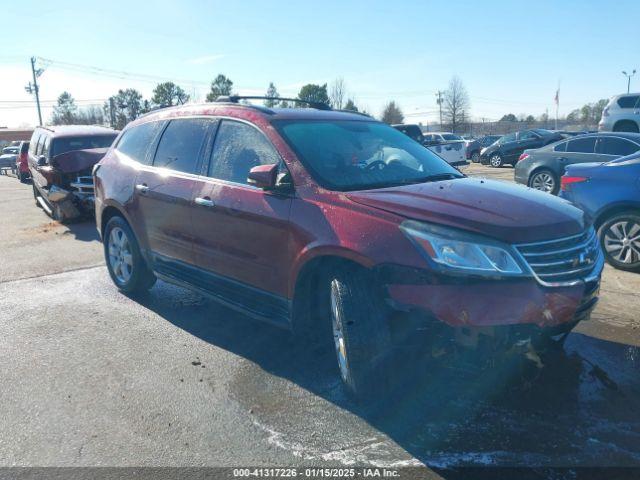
x=610, y=194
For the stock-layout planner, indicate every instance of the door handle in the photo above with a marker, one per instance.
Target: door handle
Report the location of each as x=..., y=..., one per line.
x=142, y=188
x=204, y=202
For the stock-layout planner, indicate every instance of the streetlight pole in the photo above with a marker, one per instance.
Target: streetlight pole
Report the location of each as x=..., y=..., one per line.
x=629, y=75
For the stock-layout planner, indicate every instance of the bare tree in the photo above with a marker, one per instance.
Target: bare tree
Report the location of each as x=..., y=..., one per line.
x=392, y=114
x=337, y=93
x=456, y=103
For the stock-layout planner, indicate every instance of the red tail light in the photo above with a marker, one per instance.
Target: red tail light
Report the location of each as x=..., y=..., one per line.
x=523, y=156
x=564, y=181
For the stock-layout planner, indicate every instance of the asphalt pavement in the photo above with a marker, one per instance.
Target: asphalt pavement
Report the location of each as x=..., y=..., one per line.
x=92, y=377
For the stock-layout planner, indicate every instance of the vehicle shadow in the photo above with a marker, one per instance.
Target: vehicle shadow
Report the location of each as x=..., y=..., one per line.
x=577, y=406
x=84, y=230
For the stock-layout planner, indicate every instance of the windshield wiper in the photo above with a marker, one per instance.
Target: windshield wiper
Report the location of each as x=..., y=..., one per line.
x=436, y=177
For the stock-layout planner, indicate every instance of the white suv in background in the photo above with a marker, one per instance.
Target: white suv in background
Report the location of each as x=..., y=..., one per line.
x=622, y=114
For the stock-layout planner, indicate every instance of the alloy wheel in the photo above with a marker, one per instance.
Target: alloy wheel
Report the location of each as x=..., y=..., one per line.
x=338, y=336
x=120, y=256
x=496, y=161
x=622, y=242
x=544, y=182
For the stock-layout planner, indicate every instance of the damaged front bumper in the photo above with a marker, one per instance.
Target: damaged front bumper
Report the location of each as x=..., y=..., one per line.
x=72, y=203
x=517, y=308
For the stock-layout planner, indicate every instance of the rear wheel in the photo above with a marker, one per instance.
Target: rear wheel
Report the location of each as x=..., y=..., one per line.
x=625, y=126
x=125, y=263
x=545, y=181
x=475, y=157
x=361, y=334
x=620, y=240
x=496, y=160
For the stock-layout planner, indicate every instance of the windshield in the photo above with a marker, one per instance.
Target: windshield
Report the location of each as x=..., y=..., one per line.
x=354, y=155
x=68, y=144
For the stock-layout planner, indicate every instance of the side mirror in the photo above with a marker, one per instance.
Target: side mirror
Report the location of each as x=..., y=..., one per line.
x=264, y=176
x=42, y=161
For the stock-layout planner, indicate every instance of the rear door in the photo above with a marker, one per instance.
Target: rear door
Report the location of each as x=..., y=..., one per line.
x=242, y=232
x=163, y=192
x=525, y=140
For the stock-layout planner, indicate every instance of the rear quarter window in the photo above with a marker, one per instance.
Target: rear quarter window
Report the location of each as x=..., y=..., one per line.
x=629, y=101
x=136, y=141
x=561, y=147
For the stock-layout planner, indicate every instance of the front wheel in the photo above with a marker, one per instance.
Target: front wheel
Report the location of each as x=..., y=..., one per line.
x=496, y=161
x=125, y=263
x=620, y=240
x=360, y=332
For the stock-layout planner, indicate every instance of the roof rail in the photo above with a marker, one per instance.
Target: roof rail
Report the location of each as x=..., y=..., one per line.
x=354, y=112
x=237, y=98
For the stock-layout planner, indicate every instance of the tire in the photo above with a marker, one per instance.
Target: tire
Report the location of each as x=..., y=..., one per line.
x=495, y=160
x=125, y=263
x=475, y=157
x=626, y=126
x=545, y=181
x=619, y=237
x=361, y=333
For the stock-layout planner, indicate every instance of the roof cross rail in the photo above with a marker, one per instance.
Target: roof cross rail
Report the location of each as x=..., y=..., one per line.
x=237, y=98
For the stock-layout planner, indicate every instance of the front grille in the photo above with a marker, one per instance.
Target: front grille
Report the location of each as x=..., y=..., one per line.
x=83, y=186
x=564, y=260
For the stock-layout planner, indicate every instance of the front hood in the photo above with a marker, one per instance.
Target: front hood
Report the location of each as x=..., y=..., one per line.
x=78, y=160
x=503, y=211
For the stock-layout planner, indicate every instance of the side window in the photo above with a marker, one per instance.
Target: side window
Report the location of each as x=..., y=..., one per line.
x=561, y=147
x=629, y=101
x=582, y=145
x=40, y=144
x=33, y=144
x=179, y=147
x=45, y=145
x=135, y=141
x=616, y=146
x=527, y=135
x=238, y=148
x=508, y=138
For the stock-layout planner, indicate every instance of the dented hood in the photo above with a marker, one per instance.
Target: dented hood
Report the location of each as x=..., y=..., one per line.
x=78, y=160
x=507, y=212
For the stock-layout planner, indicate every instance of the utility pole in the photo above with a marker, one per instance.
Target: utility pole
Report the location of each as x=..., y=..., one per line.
x=629, y=75
x=35, y=88
x=439, y=101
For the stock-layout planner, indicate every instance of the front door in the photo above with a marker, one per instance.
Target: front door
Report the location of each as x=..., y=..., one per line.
x=241, y=232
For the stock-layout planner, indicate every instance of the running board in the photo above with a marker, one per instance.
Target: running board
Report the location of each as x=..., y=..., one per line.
x=44, y=206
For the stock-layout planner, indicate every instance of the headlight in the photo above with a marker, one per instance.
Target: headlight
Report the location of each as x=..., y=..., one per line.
x=462, y=252
x=483, y=150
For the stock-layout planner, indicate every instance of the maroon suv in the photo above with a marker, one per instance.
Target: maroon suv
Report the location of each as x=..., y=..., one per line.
x=318, y=220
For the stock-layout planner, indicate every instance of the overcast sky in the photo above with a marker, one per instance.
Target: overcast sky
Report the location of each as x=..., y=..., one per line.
x=510, y=55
